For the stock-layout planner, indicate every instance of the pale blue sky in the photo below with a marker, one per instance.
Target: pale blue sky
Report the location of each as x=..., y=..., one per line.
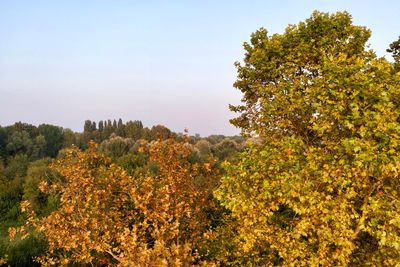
x=162, y=62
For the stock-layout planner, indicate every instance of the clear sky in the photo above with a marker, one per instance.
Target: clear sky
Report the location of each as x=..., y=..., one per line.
x=162, y=62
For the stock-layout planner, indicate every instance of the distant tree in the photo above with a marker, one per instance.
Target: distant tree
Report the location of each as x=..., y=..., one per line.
x=121, y=128
x=160, y=132
x=134, y=129
x=108, y=130
x=204, y=147
x=146, y=133
x=54, y=138
x=214, y=139
x=194, y=139
x=116, y=146
x=93, y=126
x=101, y=126
x=20, y=126
x=69, y=138
x=39, y=147
x=225, y=148
x=90, y=132
x=201, y=152
x=87, y=127
x=394, y=48
x=138, y=124
x=19, y=142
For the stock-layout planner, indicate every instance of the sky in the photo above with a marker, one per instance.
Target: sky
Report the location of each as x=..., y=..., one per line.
x=161, y=62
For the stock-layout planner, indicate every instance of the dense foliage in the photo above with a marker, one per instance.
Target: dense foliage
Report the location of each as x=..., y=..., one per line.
x=313, y=181
x=27, y=151
x=109, y=217
x=321, y=185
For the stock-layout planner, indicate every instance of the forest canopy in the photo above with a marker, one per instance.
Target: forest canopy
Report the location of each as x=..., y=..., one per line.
x=312, y=181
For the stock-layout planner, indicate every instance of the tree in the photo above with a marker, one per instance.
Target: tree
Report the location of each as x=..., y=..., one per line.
x=101, y=126
x=90, y=132
x=108, y=129
x=87, y=127
x=204, y=149
x=394, y=48
x=134, y=129
x=160, y=132
x=116, y=146
x=20, y=126
x=54, y=138
x=39, y=147
x=69, y=138
x=120, y=128
x=19, y=142
x=93, y=127
x=225, y=149
x=321, y=186
x=107, y=217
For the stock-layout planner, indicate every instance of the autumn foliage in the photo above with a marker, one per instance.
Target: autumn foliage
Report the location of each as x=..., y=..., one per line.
x=108, y=217
x=319, y=186
x=316, y=185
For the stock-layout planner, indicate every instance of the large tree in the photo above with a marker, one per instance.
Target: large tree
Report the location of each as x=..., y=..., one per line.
x=319, y=186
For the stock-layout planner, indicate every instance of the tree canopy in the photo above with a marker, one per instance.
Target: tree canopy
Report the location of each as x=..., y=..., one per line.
x=316, y=182
x=321, y=184
x=108, y=217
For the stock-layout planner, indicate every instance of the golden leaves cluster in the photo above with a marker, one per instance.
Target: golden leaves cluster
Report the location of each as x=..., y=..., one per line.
x=107, y=217
x=3, y=260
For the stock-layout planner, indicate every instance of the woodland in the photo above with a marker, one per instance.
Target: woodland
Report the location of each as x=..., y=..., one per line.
x=313, y=180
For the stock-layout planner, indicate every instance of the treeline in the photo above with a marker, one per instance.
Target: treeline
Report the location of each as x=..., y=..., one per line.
x=26, y=151
x=46, y=140
x=130, y=132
